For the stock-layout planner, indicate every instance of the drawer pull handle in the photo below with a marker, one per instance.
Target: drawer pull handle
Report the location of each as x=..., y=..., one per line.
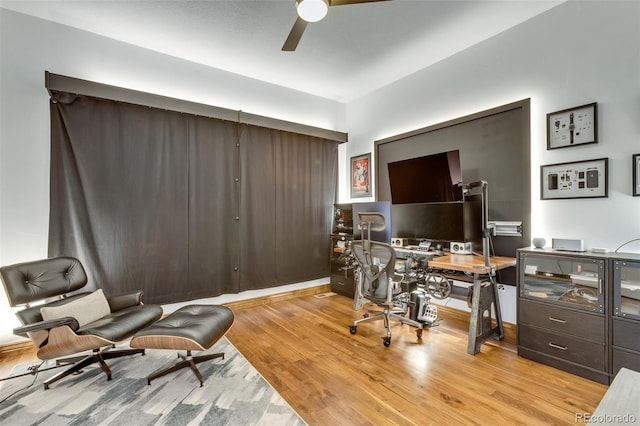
x=562, y=348
x=557, y=320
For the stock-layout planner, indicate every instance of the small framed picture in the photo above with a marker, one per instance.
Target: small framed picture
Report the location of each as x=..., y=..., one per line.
x=360, y=172
x=577, y=179
x=573, y=126
x=636, y=174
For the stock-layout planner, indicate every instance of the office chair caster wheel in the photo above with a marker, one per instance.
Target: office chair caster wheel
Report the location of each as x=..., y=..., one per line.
x=419, y=333
x=386, y=341
x=353, y=329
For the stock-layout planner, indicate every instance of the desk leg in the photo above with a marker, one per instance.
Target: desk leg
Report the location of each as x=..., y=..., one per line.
x=485, y=297
x=496, y=299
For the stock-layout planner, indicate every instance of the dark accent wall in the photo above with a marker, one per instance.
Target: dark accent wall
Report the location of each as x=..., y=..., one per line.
x=494, y=146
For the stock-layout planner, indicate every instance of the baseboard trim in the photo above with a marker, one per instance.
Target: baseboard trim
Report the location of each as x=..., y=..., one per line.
x=11, y=348
x=278, y=297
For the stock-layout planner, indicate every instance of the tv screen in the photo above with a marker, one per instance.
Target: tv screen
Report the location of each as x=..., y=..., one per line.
x=430, y=179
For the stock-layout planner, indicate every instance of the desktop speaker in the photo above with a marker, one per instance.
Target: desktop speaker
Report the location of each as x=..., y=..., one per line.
x=399, y=242
x=539, y=242
x=460, y=248
x=568, y=245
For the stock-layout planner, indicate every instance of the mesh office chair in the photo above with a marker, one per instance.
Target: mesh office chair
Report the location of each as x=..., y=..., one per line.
x=376, y=266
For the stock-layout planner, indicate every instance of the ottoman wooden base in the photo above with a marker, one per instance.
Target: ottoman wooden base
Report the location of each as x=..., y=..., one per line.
x=193, y=327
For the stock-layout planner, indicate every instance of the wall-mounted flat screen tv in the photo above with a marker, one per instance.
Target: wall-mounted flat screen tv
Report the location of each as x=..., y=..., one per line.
x=432, y=178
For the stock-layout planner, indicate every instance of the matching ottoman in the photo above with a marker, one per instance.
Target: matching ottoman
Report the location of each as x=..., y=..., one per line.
x=190, y=328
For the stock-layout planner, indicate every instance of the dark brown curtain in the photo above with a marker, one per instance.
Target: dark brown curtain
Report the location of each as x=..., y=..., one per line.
x=286, y=206
x=185, y=207
x=213, y=206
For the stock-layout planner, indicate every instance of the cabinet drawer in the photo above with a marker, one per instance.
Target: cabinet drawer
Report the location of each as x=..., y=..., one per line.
x=580, y=351
x=626, y=334
x=563, y=321
x=626, y=359
x=337, y=269
x=342, y=285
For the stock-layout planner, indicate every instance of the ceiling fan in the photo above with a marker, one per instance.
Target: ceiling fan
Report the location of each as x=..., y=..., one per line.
x=312, y=11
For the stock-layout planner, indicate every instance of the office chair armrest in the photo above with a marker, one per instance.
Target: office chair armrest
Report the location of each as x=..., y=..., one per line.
x=46, y=325
x=120, y=301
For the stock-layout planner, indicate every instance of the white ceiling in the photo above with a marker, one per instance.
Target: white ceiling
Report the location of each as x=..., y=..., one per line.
x=354, y=50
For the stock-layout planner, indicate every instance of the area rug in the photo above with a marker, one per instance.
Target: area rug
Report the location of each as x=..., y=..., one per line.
x=234, y=393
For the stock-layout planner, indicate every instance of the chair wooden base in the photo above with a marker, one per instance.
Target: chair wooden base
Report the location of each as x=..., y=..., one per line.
x=97, y=356
x=187, y=361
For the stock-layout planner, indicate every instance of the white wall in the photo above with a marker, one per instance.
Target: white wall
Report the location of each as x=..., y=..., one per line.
x=29, y=46
x=574, y=54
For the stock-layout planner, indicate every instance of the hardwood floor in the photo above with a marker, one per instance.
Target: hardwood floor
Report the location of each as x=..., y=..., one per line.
x=303, y=347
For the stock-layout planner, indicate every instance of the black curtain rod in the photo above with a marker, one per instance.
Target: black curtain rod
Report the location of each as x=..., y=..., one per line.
x=61, y=83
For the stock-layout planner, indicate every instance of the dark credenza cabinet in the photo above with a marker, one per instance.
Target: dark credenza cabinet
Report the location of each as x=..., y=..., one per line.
x=341, y=278
x=625, y=323
x=343, y=231
x=562, y=312
x=579, y=312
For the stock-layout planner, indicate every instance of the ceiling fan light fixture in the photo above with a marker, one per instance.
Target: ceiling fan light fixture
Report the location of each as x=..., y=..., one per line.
x=312, y=10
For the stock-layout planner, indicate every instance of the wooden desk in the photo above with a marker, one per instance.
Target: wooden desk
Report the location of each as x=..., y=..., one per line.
x=620, y=404
x=485, y=294
x=471, y=263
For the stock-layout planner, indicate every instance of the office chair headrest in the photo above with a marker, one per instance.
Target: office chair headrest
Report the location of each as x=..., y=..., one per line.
x=374, y=220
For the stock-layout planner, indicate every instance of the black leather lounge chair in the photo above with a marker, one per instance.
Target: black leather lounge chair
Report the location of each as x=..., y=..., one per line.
x=73, y=323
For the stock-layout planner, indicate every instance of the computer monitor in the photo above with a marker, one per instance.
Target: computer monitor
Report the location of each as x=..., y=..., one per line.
x=472, y=220
x=428, y=221
x=383, y=207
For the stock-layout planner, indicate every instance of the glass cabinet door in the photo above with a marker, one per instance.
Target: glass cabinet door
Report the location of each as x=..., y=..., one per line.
x=573, y=281
x=626, y=289
x=341, y=261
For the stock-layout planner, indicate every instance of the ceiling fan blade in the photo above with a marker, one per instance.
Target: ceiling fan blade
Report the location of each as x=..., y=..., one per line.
x=345, y=2
x=295, y=35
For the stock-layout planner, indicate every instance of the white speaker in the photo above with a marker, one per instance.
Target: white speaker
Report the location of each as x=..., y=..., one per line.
x=460, y=248
x=399, y=242
x=567, y=244
x=539, y=242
